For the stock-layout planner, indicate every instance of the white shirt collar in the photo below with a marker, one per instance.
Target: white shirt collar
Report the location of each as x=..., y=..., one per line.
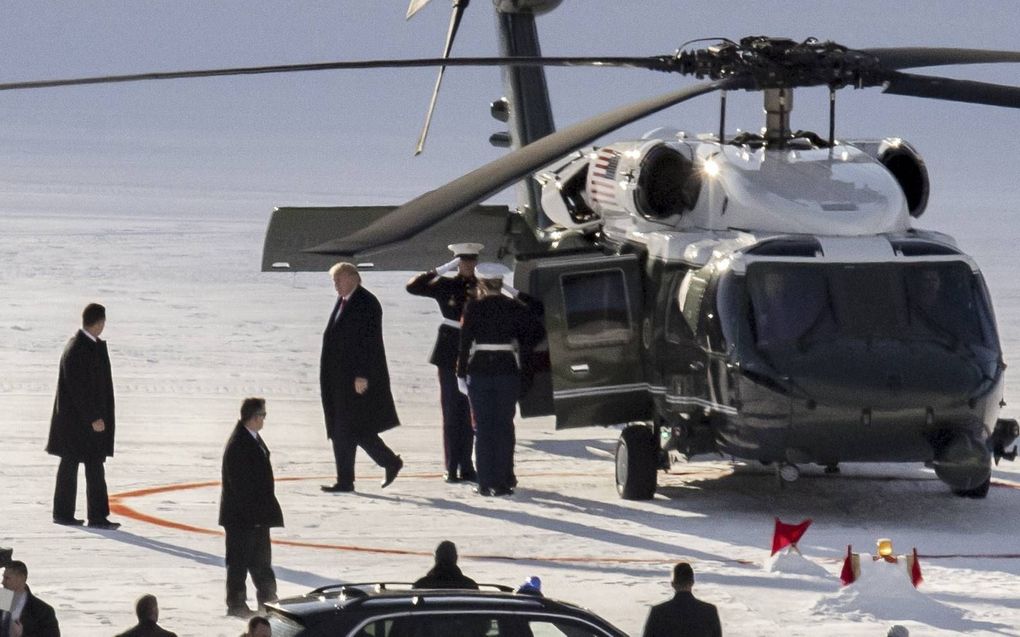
x=86, y=333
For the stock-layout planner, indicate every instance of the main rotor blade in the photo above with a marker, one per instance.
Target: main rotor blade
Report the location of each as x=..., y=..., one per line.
x=945, y=88
x=481, y=183
x=914, y=57
x=458, y=12
x=415, y=7
x=636, y=62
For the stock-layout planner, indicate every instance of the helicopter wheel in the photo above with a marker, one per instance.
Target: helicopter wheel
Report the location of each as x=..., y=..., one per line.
x=636, y=463
x=979, y=492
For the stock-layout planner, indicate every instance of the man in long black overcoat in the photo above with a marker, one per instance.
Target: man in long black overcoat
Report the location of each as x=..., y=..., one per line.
x=82, y=425
x=355, y=382
x=684, y=615
x=248, y=509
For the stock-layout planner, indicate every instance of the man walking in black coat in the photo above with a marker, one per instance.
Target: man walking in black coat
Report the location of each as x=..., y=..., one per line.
x=683, y=616
x=248, y=509
x=355, y=381
x=82, y=426
x=29, y=616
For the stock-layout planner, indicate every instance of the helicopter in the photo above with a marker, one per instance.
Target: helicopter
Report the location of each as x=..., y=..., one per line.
x=759, y=296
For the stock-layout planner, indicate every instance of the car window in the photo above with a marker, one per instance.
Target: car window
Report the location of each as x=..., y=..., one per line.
x=378, y=628
x=560, y=628
x=442, y=625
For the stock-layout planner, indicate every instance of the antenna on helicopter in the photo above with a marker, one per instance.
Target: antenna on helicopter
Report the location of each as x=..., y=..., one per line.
x=458, y=12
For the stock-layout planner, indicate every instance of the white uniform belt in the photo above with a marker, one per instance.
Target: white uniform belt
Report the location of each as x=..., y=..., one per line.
x=496, y=347
x=493, y=347
x=451, y=323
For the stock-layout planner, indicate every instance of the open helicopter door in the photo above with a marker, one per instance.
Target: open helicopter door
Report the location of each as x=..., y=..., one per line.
x=593, y=323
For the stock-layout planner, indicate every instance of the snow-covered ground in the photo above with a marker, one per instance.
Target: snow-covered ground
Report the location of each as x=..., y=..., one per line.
x=194, y=327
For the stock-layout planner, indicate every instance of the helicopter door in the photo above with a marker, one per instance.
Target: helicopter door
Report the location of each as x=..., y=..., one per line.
x=593, y=320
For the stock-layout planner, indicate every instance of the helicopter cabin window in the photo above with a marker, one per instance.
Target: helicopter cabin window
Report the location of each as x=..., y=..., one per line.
x=596, y=307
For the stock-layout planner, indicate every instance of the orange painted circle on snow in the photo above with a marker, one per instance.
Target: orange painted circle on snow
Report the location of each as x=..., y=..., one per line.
x=117, y=506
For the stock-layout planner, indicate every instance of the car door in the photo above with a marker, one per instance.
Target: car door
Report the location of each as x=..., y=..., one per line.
x=593, y=322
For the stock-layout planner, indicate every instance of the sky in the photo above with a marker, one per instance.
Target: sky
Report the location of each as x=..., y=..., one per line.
x=241, y=146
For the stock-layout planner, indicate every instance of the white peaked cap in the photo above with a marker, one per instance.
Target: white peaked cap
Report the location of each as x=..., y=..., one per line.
x=491, y=271
x=465, y=249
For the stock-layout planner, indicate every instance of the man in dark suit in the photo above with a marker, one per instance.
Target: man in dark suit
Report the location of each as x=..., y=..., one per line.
x=451, y=294
x=29, y=616
x=446, y=573
x=82, y=425
x=355, y=381
x=248, y=509
x=683, y=616
x=147, y=611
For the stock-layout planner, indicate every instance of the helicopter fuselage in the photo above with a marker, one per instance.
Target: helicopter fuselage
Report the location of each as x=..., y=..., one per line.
x=830, y=332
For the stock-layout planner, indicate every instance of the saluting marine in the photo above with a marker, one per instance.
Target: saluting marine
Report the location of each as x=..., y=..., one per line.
x=451, y=293
x=497, y=333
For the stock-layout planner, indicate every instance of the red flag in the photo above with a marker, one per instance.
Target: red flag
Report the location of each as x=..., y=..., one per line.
x=847, y=574
x=915, y=571
x=786, y=534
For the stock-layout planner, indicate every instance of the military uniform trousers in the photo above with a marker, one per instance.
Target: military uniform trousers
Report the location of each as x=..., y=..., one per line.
x=458, y=435
x=493, y=402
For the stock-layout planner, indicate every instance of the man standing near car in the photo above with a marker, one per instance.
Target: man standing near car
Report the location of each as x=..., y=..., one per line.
x=29, y=616
x=82, y=425
x=355, y=382
x=451, y=293
x=248, y=509
x=684, y=615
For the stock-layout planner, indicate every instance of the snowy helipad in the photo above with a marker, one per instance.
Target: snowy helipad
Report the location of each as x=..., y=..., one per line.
x=193, y=329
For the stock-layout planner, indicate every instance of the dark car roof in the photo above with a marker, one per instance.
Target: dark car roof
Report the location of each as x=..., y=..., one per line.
x=382, y=598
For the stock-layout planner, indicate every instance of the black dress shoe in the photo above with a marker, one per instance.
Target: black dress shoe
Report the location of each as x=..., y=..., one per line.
x=483, y=491
x=68, y=521
x=391, y=472
x=104, y=524
x=502, y=491
x=469, y=476
x=338, y=488
x=451, y=478
x=242, y=612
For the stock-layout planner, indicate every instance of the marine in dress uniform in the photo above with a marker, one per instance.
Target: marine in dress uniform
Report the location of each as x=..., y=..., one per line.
x=496, y=331
x=451, y=293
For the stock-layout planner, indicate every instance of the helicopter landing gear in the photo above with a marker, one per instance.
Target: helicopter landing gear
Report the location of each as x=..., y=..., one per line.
x=787, y=472
x=636, y=463
x=979, y=492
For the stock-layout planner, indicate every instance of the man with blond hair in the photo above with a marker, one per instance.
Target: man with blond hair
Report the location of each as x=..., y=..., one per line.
x=355, y=382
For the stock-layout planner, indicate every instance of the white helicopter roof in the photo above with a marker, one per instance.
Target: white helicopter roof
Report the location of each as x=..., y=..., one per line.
x=839, y=191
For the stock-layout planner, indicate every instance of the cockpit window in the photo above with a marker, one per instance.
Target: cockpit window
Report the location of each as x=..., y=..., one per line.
x=799, y=305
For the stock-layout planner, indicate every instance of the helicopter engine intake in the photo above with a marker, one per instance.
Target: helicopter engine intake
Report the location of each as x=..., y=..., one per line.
x=907, y=168
x=648, y=178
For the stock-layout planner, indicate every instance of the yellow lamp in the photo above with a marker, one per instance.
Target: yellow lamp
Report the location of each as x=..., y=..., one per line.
x=884, y=547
